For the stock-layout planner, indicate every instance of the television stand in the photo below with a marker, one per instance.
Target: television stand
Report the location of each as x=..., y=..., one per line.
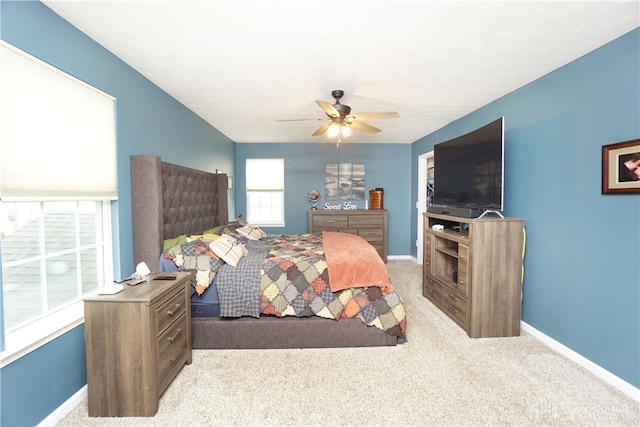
x=472, y=271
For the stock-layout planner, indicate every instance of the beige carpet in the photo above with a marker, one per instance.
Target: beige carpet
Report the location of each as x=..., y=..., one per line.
x=440, y=377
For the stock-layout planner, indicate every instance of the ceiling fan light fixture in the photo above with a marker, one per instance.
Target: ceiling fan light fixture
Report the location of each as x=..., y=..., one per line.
x=346, y=131
x=334, y=130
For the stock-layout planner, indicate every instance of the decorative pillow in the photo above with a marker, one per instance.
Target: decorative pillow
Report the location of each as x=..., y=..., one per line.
x=228, y=249
x=211, y=237
x=207, y=237
x=227, y=228
x=214, y=230
x=231, y=226
x=251, y=232
x=169, y=243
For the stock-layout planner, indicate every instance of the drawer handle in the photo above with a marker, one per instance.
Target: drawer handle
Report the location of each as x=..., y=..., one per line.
x=452, y=308
x=330, y=221
x=461, y=282
x=177, y=356
x=453, y=297
x=173, y=338
x=170, y=312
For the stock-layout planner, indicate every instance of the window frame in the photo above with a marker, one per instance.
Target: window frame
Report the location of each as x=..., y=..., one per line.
x=257, y=188
x=261, y=221
x=45, y=327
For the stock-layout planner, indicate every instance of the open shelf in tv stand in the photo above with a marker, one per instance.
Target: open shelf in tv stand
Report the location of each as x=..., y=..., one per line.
x=473, y=272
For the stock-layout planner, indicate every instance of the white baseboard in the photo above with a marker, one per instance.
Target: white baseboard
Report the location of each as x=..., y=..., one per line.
x=62, y=410
x=402, y=257
x=598, y=371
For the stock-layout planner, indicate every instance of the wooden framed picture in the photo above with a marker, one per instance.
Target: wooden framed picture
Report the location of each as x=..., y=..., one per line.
x=621, y=167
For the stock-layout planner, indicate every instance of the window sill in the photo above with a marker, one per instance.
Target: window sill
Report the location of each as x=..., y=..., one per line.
x=34, y=335
x=273, y=225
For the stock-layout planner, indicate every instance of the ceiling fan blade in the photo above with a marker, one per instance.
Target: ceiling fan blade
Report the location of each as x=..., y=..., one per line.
x=322, y=129
x=383, y=115
x=363, y=127
x=328, y=108
x=302, y=120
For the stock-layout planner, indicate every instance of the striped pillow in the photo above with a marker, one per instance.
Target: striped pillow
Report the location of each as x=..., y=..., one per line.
x=251, y=232
x=228, y=249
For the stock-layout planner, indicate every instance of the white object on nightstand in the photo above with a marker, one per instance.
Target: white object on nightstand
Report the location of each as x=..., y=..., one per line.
x=110, y=289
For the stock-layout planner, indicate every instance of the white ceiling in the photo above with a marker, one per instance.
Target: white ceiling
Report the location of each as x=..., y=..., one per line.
x=241, y=65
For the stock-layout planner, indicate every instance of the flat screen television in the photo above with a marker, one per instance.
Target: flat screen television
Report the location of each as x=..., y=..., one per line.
x=468, y=172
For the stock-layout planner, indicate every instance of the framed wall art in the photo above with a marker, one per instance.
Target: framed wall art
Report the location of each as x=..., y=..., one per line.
x=621, y=167
x=344, y=181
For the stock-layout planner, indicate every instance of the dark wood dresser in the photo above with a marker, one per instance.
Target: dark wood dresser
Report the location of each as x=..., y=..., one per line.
x=136, y=343
x=371, y=225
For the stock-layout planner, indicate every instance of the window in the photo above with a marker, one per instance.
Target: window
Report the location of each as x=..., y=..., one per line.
x=57, y=182
x=52, y=254
x=265, y=192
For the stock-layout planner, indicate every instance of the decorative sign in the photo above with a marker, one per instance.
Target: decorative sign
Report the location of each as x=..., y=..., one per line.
x=347, y=206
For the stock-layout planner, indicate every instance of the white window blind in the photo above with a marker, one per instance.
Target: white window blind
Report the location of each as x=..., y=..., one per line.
x=265, y=174
x=57, y=133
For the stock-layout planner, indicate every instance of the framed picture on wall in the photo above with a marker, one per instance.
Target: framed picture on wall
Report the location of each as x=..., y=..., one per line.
x=344, y=181
x=621, y=167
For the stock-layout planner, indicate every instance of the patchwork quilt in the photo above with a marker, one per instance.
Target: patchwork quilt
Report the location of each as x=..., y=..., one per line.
x=296, y=283
x=287, y=275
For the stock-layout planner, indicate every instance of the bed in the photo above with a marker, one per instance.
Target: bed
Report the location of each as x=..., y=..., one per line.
x=169, y=201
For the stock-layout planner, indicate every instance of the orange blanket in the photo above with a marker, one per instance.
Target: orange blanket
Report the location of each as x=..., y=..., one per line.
x=353, y=263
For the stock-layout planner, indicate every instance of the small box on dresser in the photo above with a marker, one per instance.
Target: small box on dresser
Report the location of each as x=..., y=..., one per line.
x=472, y=271
x=136, y=343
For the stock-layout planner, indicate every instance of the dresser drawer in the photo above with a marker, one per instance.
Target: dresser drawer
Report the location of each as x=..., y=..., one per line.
x=172, y=345
x=347, y=230
x=432, y=289
x=326, y=222
x=366, y=221
x=170, y=310
x=372, y=235
x=455, y=305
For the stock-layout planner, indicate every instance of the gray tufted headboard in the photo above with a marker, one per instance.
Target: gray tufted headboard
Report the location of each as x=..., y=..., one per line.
x=169, y=200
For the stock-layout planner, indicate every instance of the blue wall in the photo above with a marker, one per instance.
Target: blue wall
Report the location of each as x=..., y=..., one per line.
x=386, y=166
x=582, y=265
x=36, y=384
x=149, y=121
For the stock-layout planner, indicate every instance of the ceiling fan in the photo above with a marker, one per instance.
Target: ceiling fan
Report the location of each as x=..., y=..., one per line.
x=341, y=123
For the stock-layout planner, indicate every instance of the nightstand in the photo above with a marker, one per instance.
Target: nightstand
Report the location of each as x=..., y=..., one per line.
x=136, y=343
